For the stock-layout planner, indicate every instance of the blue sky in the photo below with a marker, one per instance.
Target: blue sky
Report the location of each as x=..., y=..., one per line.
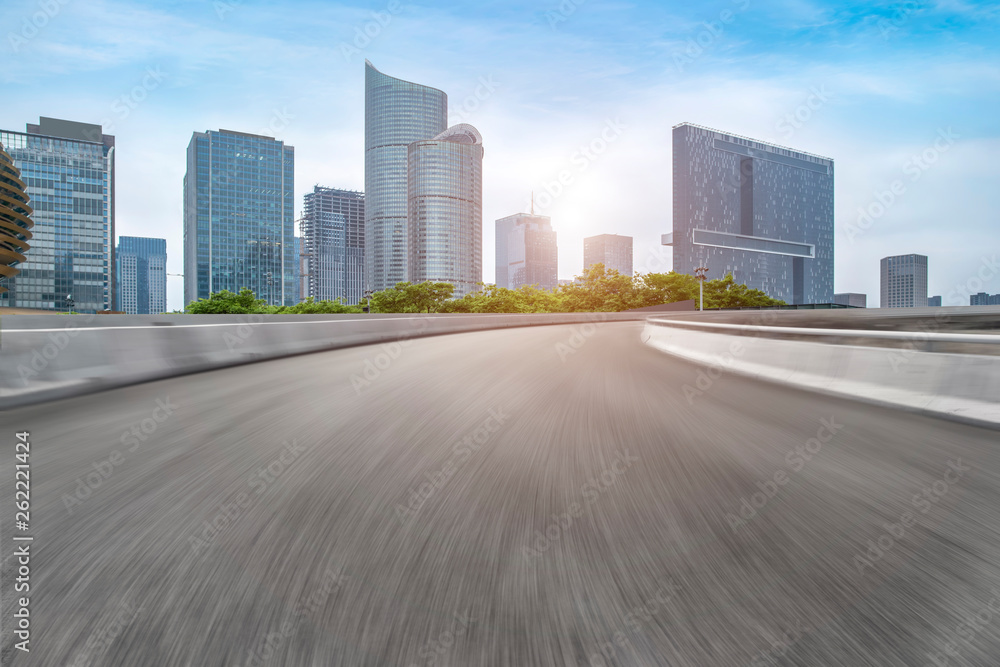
x=903, y=96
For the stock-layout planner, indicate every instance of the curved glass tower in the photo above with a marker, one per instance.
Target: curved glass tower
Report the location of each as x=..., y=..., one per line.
x=446, y=209
x=14, y=221
x=397, y=113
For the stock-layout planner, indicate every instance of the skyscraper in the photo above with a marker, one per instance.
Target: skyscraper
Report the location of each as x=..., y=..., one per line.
x=759, y=211
x=397, y=113
x=238, y=216
x=15, y=220
x=904, y=281
x=142, y=275
x=297, y=268
x=445, y=213
x=611, y=250
x=69, y=171
x=333, y=239
x=526, y=252
x=934, y=301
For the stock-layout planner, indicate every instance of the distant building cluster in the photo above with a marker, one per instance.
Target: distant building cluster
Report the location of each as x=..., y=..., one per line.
x=758, y=211
x=984, y=299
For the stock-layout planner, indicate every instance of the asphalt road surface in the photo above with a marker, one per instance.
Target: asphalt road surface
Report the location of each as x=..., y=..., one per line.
x=533, y=496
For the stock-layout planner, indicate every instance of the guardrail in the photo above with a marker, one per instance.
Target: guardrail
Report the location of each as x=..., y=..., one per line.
x=946, y=374
x=46, y=357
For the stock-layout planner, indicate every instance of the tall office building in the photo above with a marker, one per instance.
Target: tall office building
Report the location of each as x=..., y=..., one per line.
x=141, y=270
x=333, y=240
x=761, y=212
x=297, y=269
x=934, y=301
x=904, y=281
x=15, y=219
x=611, y=250
x=238, y=216
x=984, y=299
x=445, y=213
x=397, y=113
x=526, y=252
x=69, y=172
x=851, y=299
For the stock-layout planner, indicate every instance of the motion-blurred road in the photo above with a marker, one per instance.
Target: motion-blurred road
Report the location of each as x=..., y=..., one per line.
x=535, y=496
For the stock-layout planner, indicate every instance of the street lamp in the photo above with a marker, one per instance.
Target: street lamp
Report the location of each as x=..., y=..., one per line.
x=699, y=273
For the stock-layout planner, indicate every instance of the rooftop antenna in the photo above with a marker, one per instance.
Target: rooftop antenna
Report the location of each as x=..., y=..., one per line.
x=532, y=202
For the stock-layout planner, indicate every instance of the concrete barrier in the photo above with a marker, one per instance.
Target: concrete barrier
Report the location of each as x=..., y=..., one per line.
x=894, y=369
x=45, y=357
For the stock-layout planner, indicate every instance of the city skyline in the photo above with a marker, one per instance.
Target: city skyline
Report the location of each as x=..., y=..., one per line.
x=828, y=100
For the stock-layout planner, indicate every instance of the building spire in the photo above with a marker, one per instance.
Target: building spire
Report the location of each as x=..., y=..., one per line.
x=532, y=202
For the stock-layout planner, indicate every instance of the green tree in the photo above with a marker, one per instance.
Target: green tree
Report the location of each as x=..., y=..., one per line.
x=599, y=290
x=226, y=302
x=406, y=297
x=312, y=307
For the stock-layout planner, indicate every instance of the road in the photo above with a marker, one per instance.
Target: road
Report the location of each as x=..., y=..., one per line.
x=535, y=496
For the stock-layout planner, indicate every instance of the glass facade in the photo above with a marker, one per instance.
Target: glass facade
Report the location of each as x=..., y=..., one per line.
x=526, y=252
x=238, y=216
x=397, y=113
x=68, y=171
x=142, y=275
x=333, y=233
x=445, y=214
x=761, y=212
x=611, y=250
x=904, y=281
